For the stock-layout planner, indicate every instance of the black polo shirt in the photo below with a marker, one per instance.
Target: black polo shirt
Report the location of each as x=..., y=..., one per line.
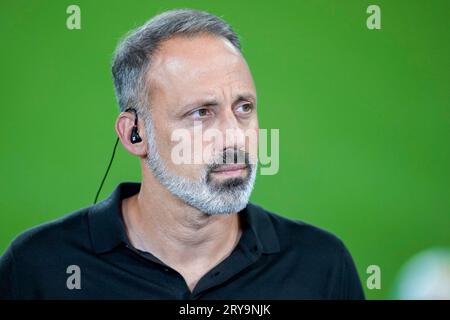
x=87, y=255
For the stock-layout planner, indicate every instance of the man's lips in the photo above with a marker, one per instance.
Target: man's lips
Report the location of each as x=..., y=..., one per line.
x=230, y=168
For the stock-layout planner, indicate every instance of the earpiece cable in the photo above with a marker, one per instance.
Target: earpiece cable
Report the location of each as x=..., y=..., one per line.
x=107, y=170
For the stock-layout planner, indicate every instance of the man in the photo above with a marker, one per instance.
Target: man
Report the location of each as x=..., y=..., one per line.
x=187, y=230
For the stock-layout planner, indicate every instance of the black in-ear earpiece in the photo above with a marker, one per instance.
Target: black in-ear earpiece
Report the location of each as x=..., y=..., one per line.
x=135, y=138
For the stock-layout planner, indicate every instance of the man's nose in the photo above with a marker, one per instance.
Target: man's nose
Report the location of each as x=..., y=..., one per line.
x=232, y=131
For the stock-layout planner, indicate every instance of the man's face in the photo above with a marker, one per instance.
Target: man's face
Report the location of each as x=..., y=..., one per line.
x=197, y=85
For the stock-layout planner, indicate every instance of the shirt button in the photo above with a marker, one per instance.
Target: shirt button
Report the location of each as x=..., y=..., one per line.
x=166, y=269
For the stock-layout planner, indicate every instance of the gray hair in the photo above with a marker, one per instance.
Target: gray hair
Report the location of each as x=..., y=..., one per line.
x=134, y=52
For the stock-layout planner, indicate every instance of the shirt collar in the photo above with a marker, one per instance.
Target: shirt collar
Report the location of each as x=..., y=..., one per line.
x=107, y=229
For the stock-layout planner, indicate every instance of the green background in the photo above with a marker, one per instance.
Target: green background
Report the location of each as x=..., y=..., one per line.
x=364, y=115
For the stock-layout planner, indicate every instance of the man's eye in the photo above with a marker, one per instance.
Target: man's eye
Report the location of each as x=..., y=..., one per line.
x=201, y=113
x=245, y=108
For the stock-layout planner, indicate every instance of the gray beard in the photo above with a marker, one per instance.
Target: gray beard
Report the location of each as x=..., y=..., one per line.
x=230, y=196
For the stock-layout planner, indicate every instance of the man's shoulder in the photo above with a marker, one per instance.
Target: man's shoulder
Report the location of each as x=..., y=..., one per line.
x=52, y=236
x=294, y=233
x=317, y=253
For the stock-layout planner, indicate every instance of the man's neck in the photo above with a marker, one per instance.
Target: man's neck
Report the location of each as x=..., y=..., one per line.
x=181, y=236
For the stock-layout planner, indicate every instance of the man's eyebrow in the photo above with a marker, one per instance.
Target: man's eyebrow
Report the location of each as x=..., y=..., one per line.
x=214, y=102
x=246, y=96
